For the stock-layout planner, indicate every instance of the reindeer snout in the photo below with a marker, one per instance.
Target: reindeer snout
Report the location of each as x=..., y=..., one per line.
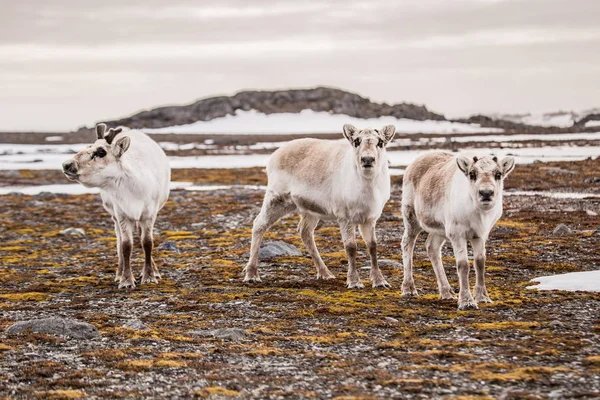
x=486, y=194
x=69, y=167
x=367, y=161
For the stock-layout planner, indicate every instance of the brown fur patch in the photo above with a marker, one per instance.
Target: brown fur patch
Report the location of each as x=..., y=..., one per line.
x=309, y=205
x=351, y=251
x=418, y=169
x=309, y=160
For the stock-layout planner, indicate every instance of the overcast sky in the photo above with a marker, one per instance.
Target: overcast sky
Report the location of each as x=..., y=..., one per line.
x=69, y=63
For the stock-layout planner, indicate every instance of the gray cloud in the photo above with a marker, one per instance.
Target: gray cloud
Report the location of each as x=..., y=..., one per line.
x=70, y=63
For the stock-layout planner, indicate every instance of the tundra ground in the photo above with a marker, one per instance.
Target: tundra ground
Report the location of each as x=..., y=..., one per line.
x=304, y=338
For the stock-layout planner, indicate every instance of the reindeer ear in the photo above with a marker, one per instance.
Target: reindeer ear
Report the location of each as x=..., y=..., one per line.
x=349, y=132
x=100, y=129
x=508, y=164
x=388, y=133
x=464, y=164
x=121, y=146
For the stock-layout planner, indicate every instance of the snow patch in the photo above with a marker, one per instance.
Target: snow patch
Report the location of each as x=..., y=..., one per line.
x=308, y=121
x=588, y=281
x=69, y=188
x=553, y=195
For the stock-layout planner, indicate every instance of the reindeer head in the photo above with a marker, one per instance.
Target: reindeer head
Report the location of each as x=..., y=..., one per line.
x=369, y=145
x=96, y=165
x=486, y=177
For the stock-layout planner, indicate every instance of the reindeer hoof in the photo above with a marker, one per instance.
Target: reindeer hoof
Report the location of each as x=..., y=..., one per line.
x=467, y=305
x=382, y=284
x=325, y=276
x=447, y=294
x=127, y=283
x=252, y=279
x=409, y=292
x=483, y=299
x=355, y=285
x=147, y=279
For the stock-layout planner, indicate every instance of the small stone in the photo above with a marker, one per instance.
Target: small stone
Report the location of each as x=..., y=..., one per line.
x=274, y=249
x=45, y=196
x=234, y=334
x=135, y=324
x=57, y=326
x=556, y=323
x=73, y=232
x=591, y=213
x=390, y=263
x=392, y=319
x=561, y=230
x=168, y=246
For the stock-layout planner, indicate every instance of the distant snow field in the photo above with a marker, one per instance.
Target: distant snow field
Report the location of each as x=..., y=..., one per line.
x=309, y=121
x=588, y=281
x=38, y=157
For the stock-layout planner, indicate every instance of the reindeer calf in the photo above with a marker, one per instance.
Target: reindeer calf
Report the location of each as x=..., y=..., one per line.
x=457, y=199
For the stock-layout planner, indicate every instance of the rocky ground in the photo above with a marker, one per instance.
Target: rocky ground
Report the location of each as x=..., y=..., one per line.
x=202, y=332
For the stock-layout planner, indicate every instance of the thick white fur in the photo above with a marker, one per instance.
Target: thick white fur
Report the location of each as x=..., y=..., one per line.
x=324, y=180
x=440, y=198
x=133, y=177
x=138, y=186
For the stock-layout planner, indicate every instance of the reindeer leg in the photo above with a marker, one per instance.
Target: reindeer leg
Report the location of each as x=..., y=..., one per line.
x=349, y=237
x=119, y=251
x=127, y=280
x=367, y=232
x=150, y=272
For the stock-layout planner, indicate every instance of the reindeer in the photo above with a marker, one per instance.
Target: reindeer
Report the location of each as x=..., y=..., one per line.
x=452, y=198
x=133, y=175
x=347, y=182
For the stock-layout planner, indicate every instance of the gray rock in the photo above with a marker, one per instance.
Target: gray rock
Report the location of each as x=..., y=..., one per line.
x=385, y=263
x=168, y=246
x=73, y=232
x=591, y=213
x=561, y=230
x=234, y=334
x=318, y=99
x=277, y=249
x=57, y=326
x=135, y=324
x=390, y=263
x=45, y=196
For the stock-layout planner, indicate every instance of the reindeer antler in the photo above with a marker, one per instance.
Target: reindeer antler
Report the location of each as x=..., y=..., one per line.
x=111, y=134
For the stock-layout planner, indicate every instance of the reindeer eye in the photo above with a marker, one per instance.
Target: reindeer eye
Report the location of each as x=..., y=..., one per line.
x=498, y=176
x=380, y=143
x=356, y=142
x=100, y=153
x=473, y=176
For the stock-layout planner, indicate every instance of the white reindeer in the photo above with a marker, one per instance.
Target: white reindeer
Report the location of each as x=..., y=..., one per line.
x=457, y=199
x=133, y=175
x=329, y=180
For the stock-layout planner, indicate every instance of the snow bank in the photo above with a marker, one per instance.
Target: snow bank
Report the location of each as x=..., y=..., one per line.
x=588, y=281
x=553, y=195
x=309, y=121
x=69, y=188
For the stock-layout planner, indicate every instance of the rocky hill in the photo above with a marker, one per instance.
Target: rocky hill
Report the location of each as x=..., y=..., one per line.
x=292, y=101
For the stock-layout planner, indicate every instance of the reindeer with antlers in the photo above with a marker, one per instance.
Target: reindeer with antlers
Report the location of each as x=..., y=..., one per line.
x=133, y=175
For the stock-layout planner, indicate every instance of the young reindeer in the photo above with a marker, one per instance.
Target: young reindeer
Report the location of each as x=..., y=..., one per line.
x=452, y=198
x=133, y=175
x=329, y=180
